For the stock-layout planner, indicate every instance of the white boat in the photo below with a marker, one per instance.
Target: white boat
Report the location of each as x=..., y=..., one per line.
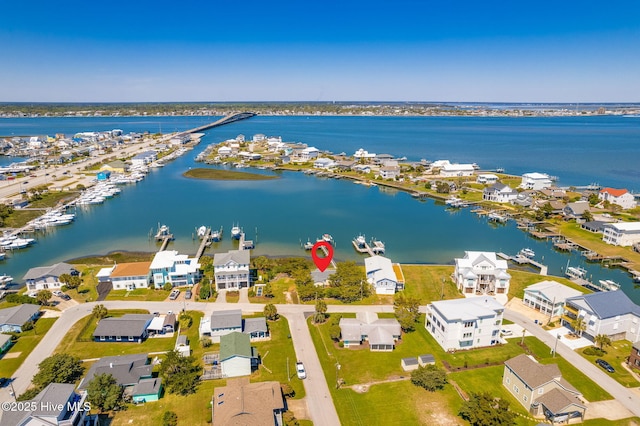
x=377, y=246
x=452, y=201
x=360, y=241
x=308, y=245
x=163, y=232
x=202, y=231
x=576, y=272
x=235, y=232
x=216, y=235
x=527, y=252
x=609, y=285
x=328, y=238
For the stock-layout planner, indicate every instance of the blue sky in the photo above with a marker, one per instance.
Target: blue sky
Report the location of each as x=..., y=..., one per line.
x=544, y=51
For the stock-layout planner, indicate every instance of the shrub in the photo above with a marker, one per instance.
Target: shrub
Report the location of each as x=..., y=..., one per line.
x=592, y=350
x=169, y=418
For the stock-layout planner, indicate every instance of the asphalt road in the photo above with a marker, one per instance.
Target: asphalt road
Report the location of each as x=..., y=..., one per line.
x=624, y=396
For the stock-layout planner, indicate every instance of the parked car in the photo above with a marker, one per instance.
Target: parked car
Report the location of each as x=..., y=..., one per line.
x=57, y=293
x=187, y=294
x=174, y=294
x=3, y=382
x=33, y=294
x=65, y=296
x=506, y=332
x=302, y=373
x=604, y=364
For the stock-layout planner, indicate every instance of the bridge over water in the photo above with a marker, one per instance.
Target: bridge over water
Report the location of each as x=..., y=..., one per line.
x=224, y=120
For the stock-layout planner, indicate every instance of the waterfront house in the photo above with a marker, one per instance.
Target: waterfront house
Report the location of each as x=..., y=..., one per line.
x=465, y=323
x=244, y=403
x=634, y=356
x=487, y=178
x=117, y=166
x=499, y=193
x=58, y=404
x=231, y=270
x=481, y=272
x=536, y=181
x=324, y=163
x=321, y=278
x=127, y=328
x=5, y=342
x=576, y=209
x=47, y=277
x=180, y=139
x=129, y=276
x=224, y=151
x=362, y=154
x=620, y=197
x=457, y=170
x=345, y=165
x=542, y=390
x=548, y=297
x=384, y=276
x=306, y=154
x=14, y=318
x=381, y=334
x=611, y=313
x=144, y=158
x=622, y=233
x=178, y=269
x=237, y=356
x=595, y=226
x=389, y=172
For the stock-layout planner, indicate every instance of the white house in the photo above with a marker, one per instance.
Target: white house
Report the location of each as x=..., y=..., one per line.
x=237, y=356
x=487, y=178
x=548, y=297
x=620, y=197
x=621, y=233
x=129, y=276
x=389, y=172
x=381, y=274
x=381, y=334
x=536, y=181
x=481, y=272
x=144, y=158
x=465, y=323
x=48, y=277
x=363, y=154
x=309, y=153
x=178, y=269
x=611, y=313
x=231, y=269
x=224, y=151
x=456, y=170
x=324, y=163
x=499, y=193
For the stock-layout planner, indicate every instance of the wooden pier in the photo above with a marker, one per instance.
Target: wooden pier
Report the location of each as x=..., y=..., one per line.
x=326, y=253
x=245, y=244
x=204, y=243
x=362, y=248
x=165, y=242
x=521, y=260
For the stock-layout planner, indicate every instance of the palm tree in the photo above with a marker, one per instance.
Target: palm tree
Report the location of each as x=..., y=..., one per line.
x=99, y=311
x=579, y=325
x=602, y=340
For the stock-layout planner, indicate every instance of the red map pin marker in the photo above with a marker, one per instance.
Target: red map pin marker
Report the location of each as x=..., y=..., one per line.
x=322, y=262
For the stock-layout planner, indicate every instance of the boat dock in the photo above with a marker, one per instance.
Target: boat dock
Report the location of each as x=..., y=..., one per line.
x=522, y=260
x=245, y=244
x=326, y=253
x=204, y=243
x=165, y=242
x=362, y=247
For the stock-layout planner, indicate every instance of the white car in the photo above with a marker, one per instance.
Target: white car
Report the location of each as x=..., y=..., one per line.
x=302, y=373
x=506, y=332
x=57, y=293
x=33, y=294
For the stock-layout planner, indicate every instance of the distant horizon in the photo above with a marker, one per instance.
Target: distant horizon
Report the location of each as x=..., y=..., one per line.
x=318, y=102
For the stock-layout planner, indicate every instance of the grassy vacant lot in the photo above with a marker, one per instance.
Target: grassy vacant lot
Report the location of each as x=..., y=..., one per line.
x=26, y=343
x=139, y=294
x=195, y=409
x=278, y=286
x=616, y=355
x=425, y=282
x=216, y=174
x=114, y=257
x=78, y=341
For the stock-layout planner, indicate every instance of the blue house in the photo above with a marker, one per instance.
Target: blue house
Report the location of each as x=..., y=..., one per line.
x=104, y=175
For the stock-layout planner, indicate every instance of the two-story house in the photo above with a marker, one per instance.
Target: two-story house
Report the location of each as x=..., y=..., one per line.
x=383, y=275
x=620, y=197
x=482, y=272
x=535, y=181
x=621, y=233
x=465, y=323
x=231, y=270
x=499, y=193
x=178, y=269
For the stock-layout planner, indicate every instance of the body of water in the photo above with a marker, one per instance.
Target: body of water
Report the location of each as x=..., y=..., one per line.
x=281, y=214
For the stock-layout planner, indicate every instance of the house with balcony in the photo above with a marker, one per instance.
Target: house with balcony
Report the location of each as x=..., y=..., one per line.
x=383, y=275
x=457, y=170
x=130, y=275
x=231, y=270
x=480, y=272
x=178, y=269
x=611, y=313
x=536, y=181
x=548, y=297
x=621, y=233
x=619, y=197
x=48, y=277
x=499, y=193
x=542, y=390
x=58, y=404
x=465, y=323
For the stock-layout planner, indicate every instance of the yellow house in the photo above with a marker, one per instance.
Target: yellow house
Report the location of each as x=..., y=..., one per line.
x=114, y=167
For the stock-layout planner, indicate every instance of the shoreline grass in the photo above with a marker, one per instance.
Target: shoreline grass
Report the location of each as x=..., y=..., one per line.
x=216, y=174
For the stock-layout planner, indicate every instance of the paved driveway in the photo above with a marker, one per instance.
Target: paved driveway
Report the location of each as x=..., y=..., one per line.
x=572, y=342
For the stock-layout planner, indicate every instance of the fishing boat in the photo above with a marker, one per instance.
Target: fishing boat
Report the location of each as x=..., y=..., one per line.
x=360, y=241
x=308, y=245
x=377, y=246
x=202, y=231
x=216, y=235
x=609, y=285
x=5, y=280
x=527, y=252
x=576, y=272
x=328, y=238
x=163, y=232
x=235, y=232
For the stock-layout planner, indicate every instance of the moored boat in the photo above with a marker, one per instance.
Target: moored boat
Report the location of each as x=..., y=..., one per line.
x=527, y=252
x=235, y=232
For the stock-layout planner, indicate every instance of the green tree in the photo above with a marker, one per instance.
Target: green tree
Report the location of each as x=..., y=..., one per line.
x=593, y=199
x=104, y=393
x=429, y=377
x=587, y=215
x=58, y=368
x=43, y=297
x=268, y=291
x=99, y=312
x=29, y=394
x=180, y=374
x=167, y=286
x=602, y=340
x=270, y=312
x=335, y=332
x=579, y=325
x=287, y=390
x=348, y=283
x=186, y=321
x=407, y=311
x=71, y=281
x=205, y=289
x=169, y=418
x=483, y=410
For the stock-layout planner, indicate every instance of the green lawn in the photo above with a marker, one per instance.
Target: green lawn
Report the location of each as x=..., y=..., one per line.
x=27, y=341
x=617, y=354
x=216, y=174
x=233, y=296
x=425, y=282
x=78, y=341
x=278, y=287
x=139, y=294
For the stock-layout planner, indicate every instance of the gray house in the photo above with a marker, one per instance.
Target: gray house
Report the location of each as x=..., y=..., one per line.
x=128, y=370
x=127, y=328
x=47, y=277
x=576, y=210
x=12, y=319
